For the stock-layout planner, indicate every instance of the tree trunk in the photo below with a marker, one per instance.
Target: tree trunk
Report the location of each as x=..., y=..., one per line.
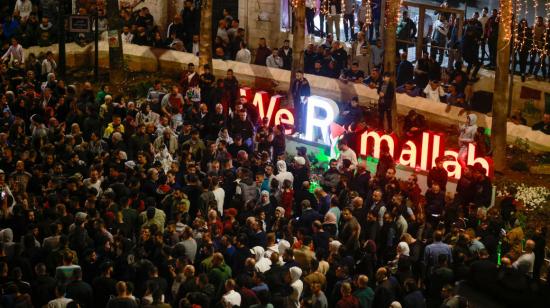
x=62, y=53
x=390, y=28
x=205, y=44
x=500, y=101
x=116, y=54
x=298, y=40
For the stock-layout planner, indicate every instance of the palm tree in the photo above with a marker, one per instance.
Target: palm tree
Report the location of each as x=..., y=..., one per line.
x=500, y=100
x=390, y=29
x=205, y=43
x=116, y=54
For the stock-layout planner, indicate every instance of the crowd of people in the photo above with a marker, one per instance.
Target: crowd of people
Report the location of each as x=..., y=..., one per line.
x=190, y=199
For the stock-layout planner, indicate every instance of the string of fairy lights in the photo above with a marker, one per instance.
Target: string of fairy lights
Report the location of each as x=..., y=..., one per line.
x=527, y=37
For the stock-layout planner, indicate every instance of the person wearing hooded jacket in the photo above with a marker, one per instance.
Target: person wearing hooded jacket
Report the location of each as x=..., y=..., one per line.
x=467, y=134
x=297, y=287
x=283, y=174
x=263, y=264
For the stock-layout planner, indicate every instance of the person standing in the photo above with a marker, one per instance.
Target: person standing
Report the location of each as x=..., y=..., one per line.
x=14, y=52
x=262, y=53
x=539, y=32
x=386, y=91
x=286, y=54
x=467, y=135
x=406, y=31
x=491, y=34
x=525, y=43
x=470, y=49
x=333, y=21
x=349, y=19
x=483, y=20
x=311, y=6
x=300, y=92
x=364, y=11
x=439, y=38
x=428, y=30
x=243, y=55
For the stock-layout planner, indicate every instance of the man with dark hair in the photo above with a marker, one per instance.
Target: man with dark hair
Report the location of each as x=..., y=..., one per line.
x=80, y=291
x=104, y=286
x=300, y=90
x=386, y=92
x=435, y=249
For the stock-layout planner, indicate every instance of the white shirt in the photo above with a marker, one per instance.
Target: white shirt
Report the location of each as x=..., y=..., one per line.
x=442, y=27
x=428, y=22
x=311, y=4
x=525, y=263
x=272, y=61
x=434, y=95
x=59, y=302
x=24, y=8
x=232, y=298
x=243, y=56
x=48, y=66
x=16, y=52
x=219, y=195
x=348, y=154
x=483, y=20
x=127, y=37
x=196, y=49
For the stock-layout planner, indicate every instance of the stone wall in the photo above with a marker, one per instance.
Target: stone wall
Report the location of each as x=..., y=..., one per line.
x=487, y=83
x=139, y=58
x=249, y=11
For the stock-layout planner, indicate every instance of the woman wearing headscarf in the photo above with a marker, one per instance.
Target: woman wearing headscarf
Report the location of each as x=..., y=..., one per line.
x=402, y=264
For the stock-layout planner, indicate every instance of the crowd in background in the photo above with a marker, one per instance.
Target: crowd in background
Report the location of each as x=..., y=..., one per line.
x=187, y=198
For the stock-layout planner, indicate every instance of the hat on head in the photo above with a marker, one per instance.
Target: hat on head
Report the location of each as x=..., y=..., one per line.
x=230, y=212
x=300, y=160
x=130, y=164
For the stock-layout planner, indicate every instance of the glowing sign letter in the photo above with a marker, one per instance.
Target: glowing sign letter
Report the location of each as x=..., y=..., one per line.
x=377, y=139
x=472, y=160
x=408, y=156
x=259, y=100
x=453, y=167
x=321, y=112
x=284, y=116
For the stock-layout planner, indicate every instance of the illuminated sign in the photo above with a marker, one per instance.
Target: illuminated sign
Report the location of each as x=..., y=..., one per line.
x=419, y=154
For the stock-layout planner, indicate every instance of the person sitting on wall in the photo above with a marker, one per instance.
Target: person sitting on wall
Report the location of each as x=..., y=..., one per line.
x=374, y=79
x=544, y=125
x=351, y=112
x=409, y=88
x=454, y=97
x=415, y=125
x=354, y=74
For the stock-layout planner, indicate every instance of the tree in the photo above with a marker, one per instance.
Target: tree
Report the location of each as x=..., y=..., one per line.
x=205, y=43
x=500, y=101
x=116, y=54
x=298, y=39
x=391, y=15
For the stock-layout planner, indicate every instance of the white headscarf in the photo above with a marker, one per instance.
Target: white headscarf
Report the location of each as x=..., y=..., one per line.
x=403, y=249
